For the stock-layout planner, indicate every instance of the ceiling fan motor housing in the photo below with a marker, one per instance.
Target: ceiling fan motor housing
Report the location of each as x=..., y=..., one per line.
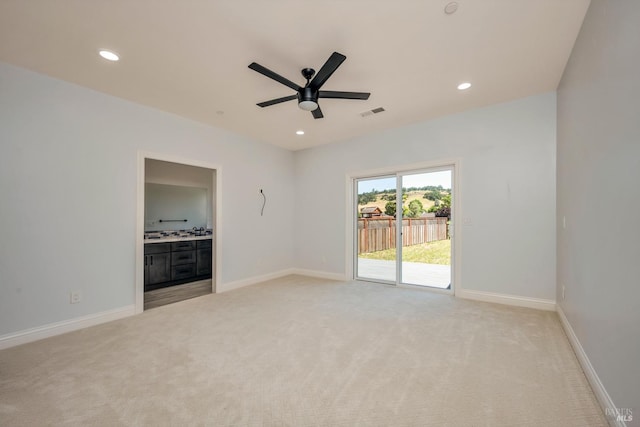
x=308, y=99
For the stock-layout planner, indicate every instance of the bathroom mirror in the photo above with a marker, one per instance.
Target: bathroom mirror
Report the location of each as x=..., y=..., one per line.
x=167, y=206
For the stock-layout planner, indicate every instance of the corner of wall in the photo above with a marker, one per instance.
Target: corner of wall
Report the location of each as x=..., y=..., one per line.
x=606, y=403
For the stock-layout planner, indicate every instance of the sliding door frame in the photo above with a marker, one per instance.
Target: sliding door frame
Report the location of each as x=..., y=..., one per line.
x=398, y=171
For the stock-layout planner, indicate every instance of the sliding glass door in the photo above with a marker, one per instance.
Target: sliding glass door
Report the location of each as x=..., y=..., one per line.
x=403, y=228
x=376, y=229
x=425, y=252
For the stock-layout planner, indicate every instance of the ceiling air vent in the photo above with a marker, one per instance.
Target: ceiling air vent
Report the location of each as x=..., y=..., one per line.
x=372, y=112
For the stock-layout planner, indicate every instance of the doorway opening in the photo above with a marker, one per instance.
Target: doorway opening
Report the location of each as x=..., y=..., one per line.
x=403, y=228
x=176, y=245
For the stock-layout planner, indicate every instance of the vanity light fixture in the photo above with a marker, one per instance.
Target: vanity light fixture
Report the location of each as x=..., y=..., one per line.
x=109, y=56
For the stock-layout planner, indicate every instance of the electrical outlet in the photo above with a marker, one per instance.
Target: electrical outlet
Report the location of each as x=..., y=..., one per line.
x=562, y=292
x=564, y=221
x=75, y=297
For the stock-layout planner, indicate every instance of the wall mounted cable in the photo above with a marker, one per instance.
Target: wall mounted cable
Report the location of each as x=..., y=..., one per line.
x=263, y=203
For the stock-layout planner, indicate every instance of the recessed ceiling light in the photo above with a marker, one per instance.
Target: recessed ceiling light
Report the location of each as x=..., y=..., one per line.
x=451, y=8
x=299, y=132
x=108, y=55
x=464, y=86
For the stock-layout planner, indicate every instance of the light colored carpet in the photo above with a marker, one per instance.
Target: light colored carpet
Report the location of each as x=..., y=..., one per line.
x=305, y=352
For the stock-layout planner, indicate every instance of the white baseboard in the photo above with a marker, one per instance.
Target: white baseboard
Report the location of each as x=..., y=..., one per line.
x=537, y=303
x=275, y=275
x=598, y=388
x=320, y=274
x=225, y=287
x=57, y=328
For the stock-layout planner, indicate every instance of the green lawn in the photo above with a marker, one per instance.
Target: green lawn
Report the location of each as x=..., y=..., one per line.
x=438, y=252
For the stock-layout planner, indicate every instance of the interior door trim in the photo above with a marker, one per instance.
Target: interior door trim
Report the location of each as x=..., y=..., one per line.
x=139, y=237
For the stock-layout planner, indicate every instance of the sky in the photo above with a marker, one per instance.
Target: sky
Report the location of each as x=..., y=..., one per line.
x=415, y=180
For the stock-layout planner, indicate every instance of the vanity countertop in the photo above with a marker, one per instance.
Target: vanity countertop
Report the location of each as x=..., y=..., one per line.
x=176, y=236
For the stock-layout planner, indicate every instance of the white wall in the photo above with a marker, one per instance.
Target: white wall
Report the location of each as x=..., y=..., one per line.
x=507, y=188
x=68, y=176
x=598, y=193
x=161, y=172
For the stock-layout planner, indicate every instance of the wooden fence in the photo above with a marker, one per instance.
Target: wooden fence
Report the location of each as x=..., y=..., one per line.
x=378, y=234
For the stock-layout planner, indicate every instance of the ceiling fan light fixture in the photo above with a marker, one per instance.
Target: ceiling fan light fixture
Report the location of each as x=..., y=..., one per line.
x=308, y=105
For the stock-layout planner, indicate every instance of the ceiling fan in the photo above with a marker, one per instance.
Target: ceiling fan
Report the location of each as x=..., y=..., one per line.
x=309, y=94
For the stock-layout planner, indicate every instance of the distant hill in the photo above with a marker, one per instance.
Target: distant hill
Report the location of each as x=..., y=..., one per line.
x=380, y=201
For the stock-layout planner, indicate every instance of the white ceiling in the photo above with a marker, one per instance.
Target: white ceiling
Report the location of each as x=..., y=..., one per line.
x=190, y=57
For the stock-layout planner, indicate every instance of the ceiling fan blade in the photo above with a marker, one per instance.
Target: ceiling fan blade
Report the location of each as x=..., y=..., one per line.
x=277, y=101
x=317, y=113
x=327, y=69
x=277, y=77
x=343, y=95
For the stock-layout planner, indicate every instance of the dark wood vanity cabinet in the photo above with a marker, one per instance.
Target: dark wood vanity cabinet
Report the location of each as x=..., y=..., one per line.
x=187, y=245
x=183, y=260
x=157, y=263
x=203, y=257
x=176, y=263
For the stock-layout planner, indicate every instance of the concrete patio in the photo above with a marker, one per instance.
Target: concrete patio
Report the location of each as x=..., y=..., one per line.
x=413, y=273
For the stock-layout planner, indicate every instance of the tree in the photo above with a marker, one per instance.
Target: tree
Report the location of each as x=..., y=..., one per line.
x=365, y=198
x=415, y=209
x=443, y=209
x=432, y=195
x=392, y=197
x=444, y=212
x=390, y=209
